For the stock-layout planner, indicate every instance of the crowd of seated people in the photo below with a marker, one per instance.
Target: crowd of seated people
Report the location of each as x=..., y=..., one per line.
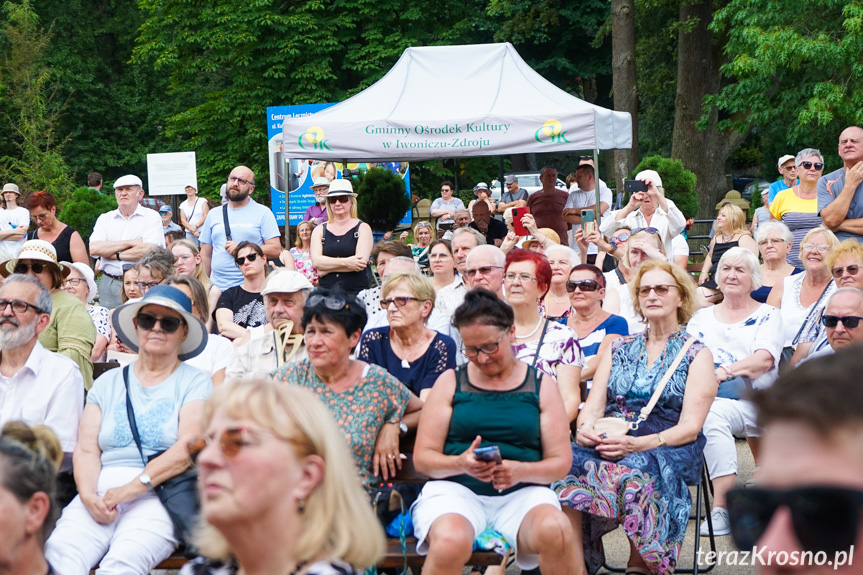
x=551, y=401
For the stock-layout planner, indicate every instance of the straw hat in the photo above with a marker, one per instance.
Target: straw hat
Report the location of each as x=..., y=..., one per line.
x=37, y=250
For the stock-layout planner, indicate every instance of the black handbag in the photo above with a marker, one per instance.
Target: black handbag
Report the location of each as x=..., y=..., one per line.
x=179, y=494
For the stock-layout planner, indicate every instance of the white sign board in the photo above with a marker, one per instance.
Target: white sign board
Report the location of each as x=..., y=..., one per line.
x=169, y=174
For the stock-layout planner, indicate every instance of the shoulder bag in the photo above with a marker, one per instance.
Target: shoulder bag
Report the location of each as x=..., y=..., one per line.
x=614, y=426
x=179, y=494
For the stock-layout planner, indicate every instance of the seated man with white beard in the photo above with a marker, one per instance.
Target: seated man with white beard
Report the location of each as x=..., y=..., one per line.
x=37, y=386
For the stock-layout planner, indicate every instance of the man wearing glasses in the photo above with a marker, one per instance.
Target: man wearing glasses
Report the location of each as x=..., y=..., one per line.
x=841, y=323
x=247, y=220
x=788, y=169
x=840, y=193
x=445, y=207
x=484, y=269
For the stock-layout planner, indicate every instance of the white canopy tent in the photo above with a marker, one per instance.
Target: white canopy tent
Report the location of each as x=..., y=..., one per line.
x=456, y=101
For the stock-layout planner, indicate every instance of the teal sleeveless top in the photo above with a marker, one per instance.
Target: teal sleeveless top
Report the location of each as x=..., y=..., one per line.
x=508, y=419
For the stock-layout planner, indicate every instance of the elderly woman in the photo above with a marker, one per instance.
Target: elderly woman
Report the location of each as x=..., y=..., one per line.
x=442, y=263
x=242, y=306
x=341, y=247
x=774, y=242
x=81, y=283
x=640, y=479
x=797, y=207
x=272, y=460
x=188, y=260
x=746, y=338
x=556, y=305
x=495, y=401
x=609, y=251
x=71, y=331
x=154, y=268
x=539, y=342
x=117, y=520
x=302, y=252
x=369, y=403
x=423, y=234
x=731, y=231
x=68, y=242
x=797, y=295
x=594, y=327
x=412, y=352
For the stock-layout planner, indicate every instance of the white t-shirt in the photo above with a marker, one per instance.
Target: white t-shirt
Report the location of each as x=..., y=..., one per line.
x=218, y=354
x=579, y=199
x=679, y=246
x=12, y=220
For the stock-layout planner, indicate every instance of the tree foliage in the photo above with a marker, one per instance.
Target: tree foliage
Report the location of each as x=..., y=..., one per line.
x=381, y=197
x=82, y=210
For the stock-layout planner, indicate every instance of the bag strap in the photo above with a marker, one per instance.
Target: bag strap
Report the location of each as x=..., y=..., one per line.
x=130, y=413
x=539, y=345
x=645, y=411
x=227, y=223
x=619, y=275
x=812, y=310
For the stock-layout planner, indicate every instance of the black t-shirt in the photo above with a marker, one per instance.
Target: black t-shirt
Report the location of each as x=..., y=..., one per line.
x=496, y=231
x=247, y=307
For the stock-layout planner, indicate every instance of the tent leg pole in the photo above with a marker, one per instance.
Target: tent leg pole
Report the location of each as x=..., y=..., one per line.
x=596, y=187
x=287, y=204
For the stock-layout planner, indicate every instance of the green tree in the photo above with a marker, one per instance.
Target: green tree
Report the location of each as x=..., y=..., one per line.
x=84, y=208
x=382, y=198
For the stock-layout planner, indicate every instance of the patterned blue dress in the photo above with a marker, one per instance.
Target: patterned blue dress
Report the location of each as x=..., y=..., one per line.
x=647, y=492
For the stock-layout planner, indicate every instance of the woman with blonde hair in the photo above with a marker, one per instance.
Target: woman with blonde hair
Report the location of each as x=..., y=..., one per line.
x=302, y=252
x=273, y=463
x=188, y=260
x=423, y=235
x=731, y=231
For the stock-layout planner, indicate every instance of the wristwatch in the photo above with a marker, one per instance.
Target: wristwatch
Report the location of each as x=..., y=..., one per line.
x=144, y=478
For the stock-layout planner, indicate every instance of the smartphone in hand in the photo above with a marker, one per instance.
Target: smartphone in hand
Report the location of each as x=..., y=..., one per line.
x=490, y=453
x=633, y=186
x=588, y=221
x=517, y=214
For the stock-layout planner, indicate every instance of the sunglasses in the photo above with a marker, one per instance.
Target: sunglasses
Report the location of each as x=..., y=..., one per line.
x=849, y=321
x=242, y=259
x=583, y=285
x=334, y=303
x=230, y=442
x=488, y=349
x=168, y=324
x=22, y=268
x=645, y=230
x=808, y=165
x=839, y=272
x=339, y=199
x=825, y=518
x=620, y=238
x=399, y=301
x=660, y=290
x=482, y=271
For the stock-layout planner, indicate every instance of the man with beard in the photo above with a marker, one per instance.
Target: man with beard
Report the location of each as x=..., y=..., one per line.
x=37, y=386
x=493, y=230
x=317, y=212
x=247, y=220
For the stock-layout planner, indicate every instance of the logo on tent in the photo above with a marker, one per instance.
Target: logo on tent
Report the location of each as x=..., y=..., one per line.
x=550, y=133
x=315, y=137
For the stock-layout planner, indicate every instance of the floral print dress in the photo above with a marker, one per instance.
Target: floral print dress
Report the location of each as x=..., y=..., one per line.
x=303, y=262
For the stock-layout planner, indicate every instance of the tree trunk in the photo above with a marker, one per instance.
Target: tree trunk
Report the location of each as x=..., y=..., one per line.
x=624, y=77
x=702, y=151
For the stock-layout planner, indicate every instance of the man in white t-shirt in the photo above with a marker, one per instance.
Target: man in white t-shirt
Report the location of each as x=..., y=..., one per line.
x=583, y=197
x=14, y=222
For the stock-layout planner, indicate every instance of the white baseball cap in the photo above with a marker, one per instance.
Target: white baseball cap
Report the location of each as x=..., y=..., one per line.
x=128, y=180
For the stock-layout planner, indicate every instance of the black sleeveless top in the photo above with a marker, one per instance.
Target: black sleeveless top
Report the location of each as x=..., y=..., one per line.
x=343, y=247
x=719, y=250
x=61, y=244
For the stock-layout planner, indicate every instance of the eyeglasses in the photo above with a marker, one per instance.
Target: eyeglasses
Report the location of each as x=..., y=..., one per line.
x=522, y=278
x=39, y=217
x=488, y=349
x=242, y=259
x=339, y=199
x=440, y=256
x=660, y=290
x=789, y=168
x=849, y=321
x=18, y=306
x=482, y=271
x=820, y=247
x=168, y=324
x=230, y=442
x=334, y=303
x=825, y=519
x=839, y=272
x=808, y=165
x=645, y=230
x=583, y=285
x=145, y=286
x=620, y=238
x=242, y=181
x=73, y=281
x=399, y=301
x=22, y=268
x=772, y=241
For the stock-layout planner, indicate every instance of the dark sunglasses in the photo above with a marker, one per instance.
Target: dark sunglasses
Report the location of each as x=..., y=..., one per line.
x=852, y=271
x=168, y=324
x=242, y=259
x=483, y=270
x=645, y=230
x=620, y=238
x=808, y=165
x=334, y=303
x=339, y=199
x=230, y=442
x=399, y=301
x=825, y=518
x=583, y=285
x=849, y=321
x=22, y=268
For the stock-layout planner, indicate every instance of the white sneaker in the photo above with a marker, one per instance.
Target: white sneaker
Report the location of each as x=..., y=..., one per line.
x=721, y=525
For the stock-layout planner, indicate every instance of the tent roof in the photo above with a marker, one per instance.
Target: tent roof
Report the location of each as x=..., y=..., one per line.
x=455, y=101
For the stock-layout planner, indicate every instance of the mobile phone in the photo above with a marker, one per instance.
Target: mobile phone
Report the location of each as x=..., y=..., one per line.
x=588, y=221
x=517, y=214
x=490, y=453
x=632, y=186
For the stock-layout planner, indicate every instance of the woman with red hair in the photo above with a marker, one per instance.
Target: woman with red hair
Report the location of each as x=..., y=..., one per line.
x=540, y=342
x=68, y=242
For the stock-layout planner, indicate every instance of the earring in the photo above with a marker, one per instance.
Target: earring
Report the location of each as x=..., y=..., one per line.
x=301, y=506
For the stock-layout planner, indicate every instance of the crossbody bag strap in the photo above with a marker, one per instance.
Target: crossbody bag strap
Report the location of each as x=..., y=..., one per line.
x=645, y=411
x=812, y=310
x=539, y=345
x=620, y=276
x=130, y=413
x=227, y=223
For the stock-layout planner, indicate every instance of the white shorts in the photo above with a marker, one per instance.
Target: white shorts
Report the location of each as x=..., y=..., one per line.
x=503, y=513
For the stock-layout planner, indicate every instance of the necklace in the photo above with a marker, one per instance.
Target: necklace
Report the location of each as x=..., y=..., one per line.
x=539, y=323
x=405, y=363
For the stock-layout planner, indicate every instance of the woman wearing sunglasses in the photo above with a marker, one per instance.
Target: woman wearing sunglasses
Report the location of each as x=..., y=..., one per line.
x=370, y=405
x=650, y=467
x=242, y=306
x=746, y=338
x=117, y=520
x=273, y=461
x=71, y=331
x=797, y=207
x=341, y=247
x=731, y=232
x=81, y=283
x=423, y=235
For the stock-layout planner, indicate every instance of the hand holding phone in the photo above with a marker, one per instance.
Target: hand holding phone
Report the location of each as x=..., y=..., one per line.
x=490, y=454
x=517, y=226
x=588, y=221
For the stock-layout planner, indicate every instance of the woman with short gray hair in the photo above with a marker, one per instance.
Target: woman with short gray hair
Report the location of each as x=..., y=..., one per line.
x=774, y=241
x=797, y=207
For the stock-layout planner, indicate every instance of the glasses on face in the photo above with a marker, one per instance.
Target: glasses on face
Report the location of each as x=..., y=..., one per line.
x=40, y=217
x=185, y=257
x=789, y=168
x=439, y=256
x=18, y=306
x=771, y=241
x=339, y=199
x=849, y=321
x=334, y=303
x=145, y=286
x=823, y=248
x=522, y=278
x=488, y=348
x=808, y=165
x=24, y=268
x=230, y=442
x=75, y=282
x=241, y=181
x=485, y=270
x=839, y=272
x=825, y=519
x=583, y=285
x=168, y=324
x=399, y=301
x=242, y=259
x=619, y=238
x=660, y=290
